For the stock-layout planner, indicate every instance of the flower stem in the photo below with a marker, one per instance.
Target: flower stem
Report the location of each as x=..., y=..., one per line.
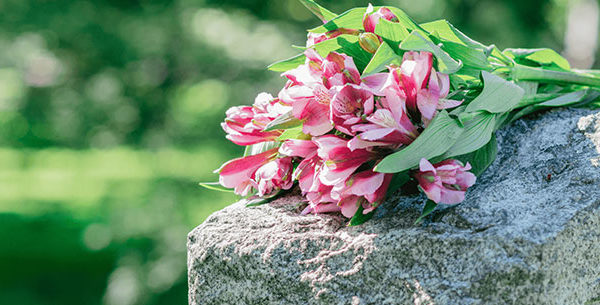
x=520, y=72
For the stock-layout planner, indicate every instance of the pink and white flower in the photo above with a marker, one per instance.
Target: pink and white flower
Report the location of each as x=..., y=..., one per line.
x=350, y=106
x=446, y=181
x=312, y=86
x=371, y=19
x=244, y=124
x=388, y=126
x=366, y=188
x=339, y=161
x=273, y=176
x=239, y=173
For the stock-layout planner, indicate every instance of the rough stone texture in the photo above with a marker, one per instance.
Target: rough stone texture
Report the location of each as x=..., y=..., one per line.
x=521, y=237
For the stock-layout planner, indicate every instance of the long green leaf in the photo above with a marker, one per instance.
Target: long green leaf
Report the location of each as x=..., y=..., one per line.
x=482, y=158
x=287, y=64
x=334, y=44
x=447, y=31
x=544, y=57
x=429, y=207
x=498, y=95
x=478, y=132
x=470, y=57
x=391, y=32
x=435, y=140
x=215, y=186
x=405, y=20
x=383, y=57
x=319, y=11
x=350, y=19
x=416, y=42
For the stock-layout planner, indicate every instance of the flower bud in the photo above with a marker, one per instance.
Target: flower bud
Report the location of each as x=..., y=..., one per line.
x=369, y=42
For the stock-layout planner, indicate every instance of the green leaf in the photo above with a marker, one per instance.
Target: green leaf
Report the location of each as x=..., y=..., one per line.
x=470, y=57
x=327, y=46
x=447, y=31
x=398, y=180
x=391, y=32
x=429, y=207
x=360, y=218
x=383, y=57
x=543, y=57
x=416, y=42
x=350, y=19
x=482, y=158
x=252, y=201
x=284, y=121
x=293, y=133
x=261, y=147
x=405, y=20
x=215, y=186
x=287, y=64
x=319, y=11
x=498, y=95
x=435, y=140
x=478, y=132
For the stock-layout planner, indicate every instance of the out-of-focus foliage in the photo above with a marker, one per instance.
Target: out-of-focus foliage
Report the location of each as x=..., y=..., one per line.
x=109, y=117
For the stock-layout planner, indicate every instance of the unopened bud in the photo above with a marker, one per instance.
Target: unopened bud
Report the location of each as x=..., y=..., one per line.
x=369, y=42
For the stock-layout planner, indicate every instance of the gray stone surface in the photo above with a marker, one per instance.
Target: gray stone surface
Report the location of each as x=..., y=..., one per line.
x=519, y=238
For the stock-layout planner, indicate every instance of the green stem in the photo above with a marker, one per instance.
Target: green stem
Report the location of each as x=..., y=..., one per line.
x=520, y=72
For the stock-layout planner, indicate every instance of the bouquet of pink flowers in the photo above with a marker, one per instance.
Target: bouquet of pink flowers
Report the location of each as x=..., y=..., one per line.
x=376, y=101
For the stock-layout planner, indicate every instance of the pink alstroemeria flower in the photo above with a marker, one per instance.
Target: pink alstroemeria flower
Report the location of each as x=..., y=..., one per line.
x=367, y=188
x=371, y=18
x=239, y=173
x=350, y=106
x=446, y=181
x=415, y=81
x=274, y=175
x=312, y=86
x=388, y=126
x=339, y=161
x=244, y=124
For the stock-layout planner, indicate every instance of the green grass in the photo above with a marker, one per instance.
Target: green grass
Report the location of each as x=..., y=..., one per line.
x=85, y=224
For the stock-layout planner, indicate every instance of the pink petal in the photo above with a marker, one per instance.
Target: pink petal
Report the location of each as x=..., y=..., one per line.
x=451, y=196
x=349, y=206
x=426, y=166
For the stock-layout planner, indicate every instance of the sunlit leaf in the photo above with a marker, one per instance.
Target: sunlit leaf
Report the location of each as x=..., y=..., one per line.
x=383, y=57
x=319, y=11
x=435, y=140
x=350, y=19
x=470, y=57
x=391, y=32
x=327, y=46
x=498, y=95
x=447, y=31
x=544, y=57
x=287, y=64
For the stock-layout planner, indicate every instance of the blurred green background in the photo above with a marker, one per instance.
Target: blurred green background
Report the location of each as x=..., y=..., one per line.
x=110, y=112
